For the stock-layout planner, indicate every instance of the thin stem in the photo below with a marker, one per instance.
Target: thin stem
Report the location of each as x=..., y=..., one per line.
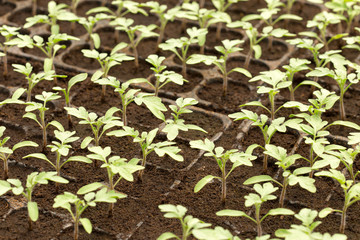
x=6, y=169
x=124, y=118
x=283, y=192
x=34, y=7
x=342, y=106
x=265, y=162
x=5, y=62
x=157, y=83
x=223, y=186
x=343, y=220
x=76, y=227
x=183, y=71
x=248, y=57
x=143, y=163
x=258, y=221
x=218, y=31
x=311, y=174
x=225, y=83
x=136, y=54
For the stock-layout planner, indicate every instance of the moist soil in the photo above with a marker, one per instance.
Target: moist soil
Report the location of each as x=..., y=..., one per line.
x=137, y=217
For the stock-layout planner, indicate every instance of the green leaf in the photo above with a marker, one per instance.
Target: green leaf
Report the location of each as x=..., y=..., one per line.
x=257, y=179
x=203, y=182
x=86, y=142
x=86, y=224
x=325, y=212
x=231, y=213
x=25, y=144
x=280, y=211
x=167, y=235
x=90, y=188
x=33, y=211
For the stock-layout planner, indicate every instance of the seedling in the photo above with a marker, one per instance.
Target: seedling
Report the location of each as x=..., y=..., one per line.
x=189, y=224
x=124, y=24
x=267, y=15
x=180, y=46
x=306, y=229
x=123, y=7
x=128, y=96
x=114, y=165
x=267, y=129
x=218, y=233
x=146, y=142
x=229, y=47
x=67, y=199
x=62, y=149
x=290, y=178
x=341, y=76
x=32, y=78
x=341, y=7
x=56, y=12
x=106, y=61
x=74, y=80
x=353, y=41
x=41, y=107
x=277, y=80
x=264, y=194
x=49, y=48
x=173, y=126
x=165, y=15
x=6, y=152
x=297, y=65
x=162, y=77
x=89, y=24
x=8, y=33
x=222, y=157
x=32, y=181
x=351, y=193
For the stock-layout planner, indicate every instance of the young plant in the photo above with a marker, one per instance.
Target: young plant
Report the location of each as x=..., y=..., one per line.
x=123, y=7
x=107, y=61
x=89, y=24
x=351, y=193
x=189, y=224
x=341, y=76
x=142, y=31
x=128, y=96
x=6, y=152
x=165, y=15
x=180, y=46
x=263, y=194
x=277, y=80
x=222, y=157
x=8, y=33
x=49, y=48
x=56, y=12
x=297, y=65
x=162, y=77
x=114, y=165
x=32, y=181
x=32, y=78
x=74, y=80
x=147, y=144
x=172, y=126
x=344, y=6
x=76, y=206
x=41, y=107
x=290, y=178
x=268, y=129
x=62, y=149
x=306, y=229
x=229, y=47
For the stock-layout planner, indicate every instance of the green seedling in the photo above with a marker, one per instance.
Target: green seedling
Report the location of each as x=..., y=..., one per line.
x=32, y=181
x=353, y=41
x=290, y=178
x=128, y=96
x=218, y=233
x=14, y=98
x=297, y=65
x=56, y=12
x=267, y=129
x=229, y=47
x=174, y=125
x=267, y=15
x=89, y=24
x=74, y=80
x=62, y=149
x=263, y=194
x=189, y=224
x=204, y=17
x=6, y=152
x=321, y=21
x=180, y=46
x=76, y=206
x=344, y=6
x=255, y=37
x=41, y=107
x=222, y=157
x=306, y=229
x=123, y=7
x=162, y=77
x=142, y=32
x=115, y=166
x=341, y=76
x=277, y=80
x=164, y=14
x=147, y=144
x=32, y=78
x=49, y=48
x=107, y=61
x=8, y=33
x=351, y=193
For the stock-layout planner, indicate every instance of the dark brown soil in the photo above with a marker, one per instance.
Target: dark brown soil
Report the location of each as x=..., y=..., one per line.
x=6, y=7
